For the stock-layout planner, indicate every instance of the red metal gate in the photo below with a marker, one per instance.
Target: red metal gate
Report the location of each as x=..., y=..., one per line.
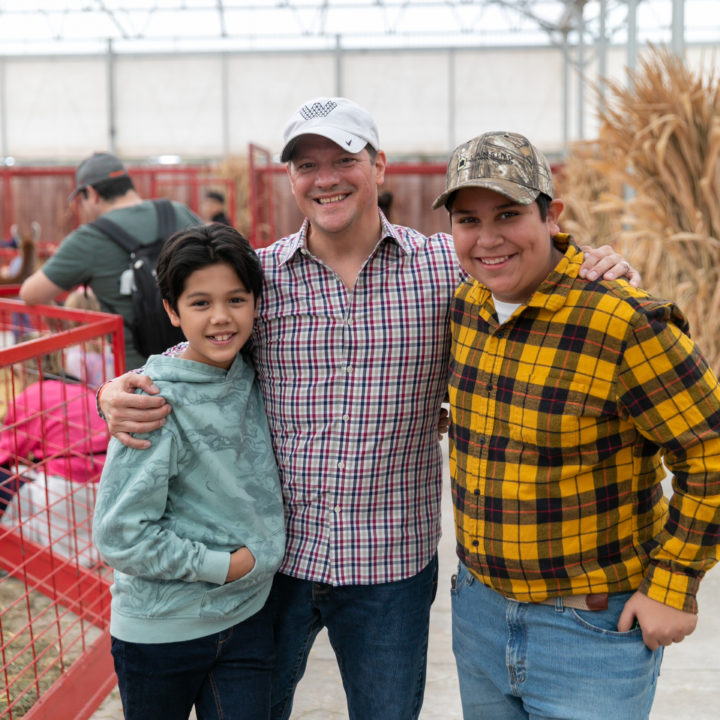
x=54, y=589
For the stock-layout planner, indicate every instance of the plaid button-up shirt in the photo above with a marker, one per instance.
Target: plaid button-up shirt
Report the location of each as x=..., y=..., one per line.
x=353, y=380
x=560, y=419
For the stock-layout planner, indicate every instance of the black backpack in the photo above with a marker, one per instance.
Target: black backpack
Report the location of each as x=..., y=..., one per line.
x=151, y=329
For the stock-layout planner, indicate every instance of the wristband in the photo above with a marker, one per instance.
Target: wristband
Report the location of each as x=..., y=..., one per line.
x=97, y=401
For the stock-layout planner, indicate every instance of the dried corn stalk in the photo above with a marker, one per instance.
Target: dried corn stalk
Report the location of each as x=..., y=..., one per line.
x=588, y=191
x=660, y=136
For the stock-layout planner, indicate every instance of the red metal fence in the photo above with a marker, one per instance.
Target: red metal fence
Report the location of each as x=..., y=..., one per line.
x=54, y=590
x=41, y=194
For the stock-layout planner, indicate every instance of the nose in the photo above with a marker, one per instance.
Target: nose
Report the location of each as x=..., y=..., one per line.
x=488, y=237
x=219, y=315
x=327, y=175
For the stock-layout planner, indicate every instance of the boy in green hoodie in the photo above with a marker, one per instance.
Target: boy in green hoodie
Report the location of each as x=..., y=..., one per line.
x=194, y=527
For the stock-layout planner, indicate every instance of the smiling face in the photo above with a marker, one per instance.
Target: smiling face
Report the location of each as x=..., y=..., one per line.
x=216, y=314
x=506, y=246
x=335, y=189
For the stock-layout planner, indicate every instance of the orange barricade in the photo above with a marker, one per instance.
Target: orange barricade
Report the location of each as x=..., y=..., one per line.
x=54, y=589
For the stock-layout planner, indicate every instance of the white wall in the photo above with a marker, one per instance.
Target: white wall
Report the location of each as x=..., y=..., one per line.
x=205, y=106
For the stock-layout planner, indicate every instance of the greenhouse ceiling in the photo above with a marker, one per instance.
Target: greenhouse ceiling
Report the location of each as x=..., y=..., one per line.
x=127, y=26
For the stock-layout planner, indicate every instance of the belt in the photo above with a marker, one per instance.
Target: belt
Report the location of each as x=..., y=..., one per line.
x=591, y=601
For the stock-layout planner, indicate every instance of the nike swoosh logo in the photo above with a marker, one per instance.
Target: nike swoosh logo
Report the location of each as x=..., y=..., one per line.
x=348, y=142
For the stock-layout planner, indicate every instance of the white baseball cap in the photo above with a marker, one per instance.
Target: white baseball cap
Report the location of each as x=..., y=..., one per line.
x=338, y=119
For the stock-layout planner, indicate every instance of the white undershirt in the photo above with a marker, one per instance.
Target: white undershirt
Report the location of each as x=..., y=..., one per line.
x=504, y=310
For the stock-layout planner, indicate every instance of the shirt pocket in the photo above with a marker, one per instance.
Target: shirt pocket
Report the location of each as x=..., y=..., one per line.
x=560, y=418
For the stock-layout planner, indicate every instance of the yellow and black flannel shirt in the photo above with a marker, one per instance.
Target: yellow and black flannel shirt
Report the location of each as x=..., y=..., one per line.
x=561, y=418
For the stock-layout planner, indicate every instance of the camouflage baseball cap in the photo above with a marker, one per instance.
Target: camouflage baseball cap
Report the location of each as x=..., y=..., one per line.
x=505, y=162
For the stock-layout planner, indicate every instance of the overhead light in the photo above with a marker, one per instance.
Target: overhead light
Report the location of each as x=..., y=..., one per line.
x=168, y=159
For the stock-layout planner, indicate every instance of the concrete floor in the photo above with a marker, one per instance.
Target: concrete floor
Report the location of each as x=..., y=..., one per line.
x=687, y=689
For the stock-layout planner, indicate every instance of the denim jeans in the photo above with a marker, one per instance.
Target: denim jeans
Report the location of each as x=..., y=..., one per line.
x=379, y=634
x=521, y=660
x=225, y=676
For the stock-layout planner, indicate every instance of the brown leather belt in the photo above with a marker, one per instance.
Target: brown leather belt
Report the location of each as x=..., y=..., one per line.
x=592, y=601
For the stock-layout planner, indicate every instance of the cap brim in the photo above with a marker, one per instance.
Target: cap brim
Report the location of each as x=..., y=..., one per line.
x=517, y=193
x=347, y=141
x=75, y=192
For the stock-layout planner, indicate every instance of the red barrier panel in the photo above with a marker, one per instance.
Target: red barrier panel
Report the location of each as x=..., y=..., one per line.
x=54, y=588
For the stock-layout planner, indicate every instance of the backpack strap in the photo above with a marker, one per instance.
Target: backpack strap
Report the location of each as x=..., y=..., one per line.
x=166, y=217
x=118, y=235
x=166, y=226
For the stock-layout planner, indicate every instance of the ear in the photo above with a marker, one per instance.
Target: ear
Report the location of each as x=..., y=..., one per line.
x=290, y=176
x=553, y=216
x=380, y=165
x=174, y=317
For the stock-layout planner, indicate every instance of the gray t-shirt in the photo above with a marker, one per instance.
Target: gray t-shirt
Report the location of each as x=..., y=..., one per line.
x=88, y=257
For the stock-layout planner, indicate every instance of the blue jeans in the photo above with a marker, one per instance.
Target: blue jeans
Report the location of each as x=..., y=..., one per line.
x=225, y=676
x=521, y=660
x=379, y=634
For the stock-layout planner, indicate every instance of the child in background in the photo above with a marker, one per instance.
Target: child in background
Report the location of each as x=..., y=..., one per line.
x=52, y=451
x=194, y=525
x=93, y=362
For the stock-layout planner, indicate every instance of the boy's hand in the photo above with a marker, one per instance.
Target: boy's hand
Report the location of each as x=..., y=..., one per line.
x=127, y=412
x=660, y=624
x=241, y=563
x=443, y=423
x=605, y=262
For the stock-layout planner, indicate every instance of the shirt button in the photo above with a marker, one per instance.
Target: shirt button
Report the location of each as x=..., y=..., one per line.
x=476, y=492
x=346, y=417
x=336, y=509
x=475, y=543
x=341, y=465
x=348, y=369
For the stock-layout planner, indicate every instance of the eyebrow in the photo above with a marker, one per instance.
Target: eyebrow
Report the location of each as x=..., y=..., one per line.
x=198, y=293
x=504, y=206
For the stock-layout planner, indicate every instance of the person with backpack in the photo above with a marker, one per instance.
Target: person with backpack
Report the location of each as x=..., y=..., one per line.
x=114, y=253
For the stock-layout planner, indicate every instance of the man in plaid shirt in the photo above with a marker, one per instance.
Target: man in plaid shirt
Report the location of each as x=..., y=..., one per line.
x=351, y=349
x=566, y=396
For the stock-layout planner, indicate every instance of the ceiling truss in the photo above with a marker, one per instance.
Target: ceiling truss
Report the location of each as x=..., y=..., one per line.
x=136, y=25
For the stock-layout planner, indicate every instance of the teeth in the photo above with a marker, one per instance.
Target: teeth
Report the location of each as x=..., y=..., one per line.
x=222, y=338
x=334, y=198
x=494, y=261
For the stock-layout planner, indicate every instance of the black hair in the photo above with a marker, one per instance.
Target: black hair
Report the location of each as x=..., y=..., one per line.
x=197, y=247
x=543, y=202
x=215, y=195
x=112, y=188
x=385, y=201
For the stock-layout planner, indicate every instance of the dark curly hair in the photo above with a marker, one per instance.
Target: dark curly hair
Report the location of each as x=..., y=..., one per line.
x=197, y=247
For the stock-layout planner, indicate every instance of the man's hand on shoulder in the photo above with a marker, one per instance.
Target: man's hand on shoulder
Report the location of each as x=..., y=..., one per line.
x=606, y=263
x=127, y=412
x=660, y=623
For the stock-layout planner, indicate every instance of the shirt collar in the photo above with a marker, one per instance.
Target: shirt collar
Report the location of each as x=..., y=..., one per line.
x=298, y=242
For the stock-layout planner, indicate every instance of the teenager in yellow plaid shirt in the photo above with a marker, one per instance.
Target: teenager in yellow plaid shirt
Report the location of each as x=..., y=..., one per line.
x=566, y=395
